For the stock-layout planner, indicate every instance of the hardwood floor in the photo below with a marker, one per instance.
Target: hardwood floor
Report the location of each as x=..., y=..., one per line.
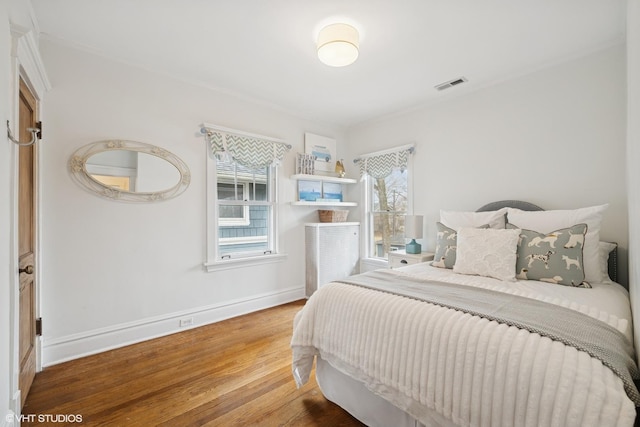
x=232, y=373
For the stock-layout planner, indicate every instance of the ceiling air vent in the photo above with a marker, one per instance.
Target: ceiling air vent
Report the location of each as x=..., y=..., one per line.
x=451, y=83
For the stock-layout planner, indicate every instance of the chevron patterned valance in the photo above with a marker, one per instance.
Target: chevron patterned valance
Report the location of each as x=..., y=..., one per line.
x=251, y=151
x=382, y=163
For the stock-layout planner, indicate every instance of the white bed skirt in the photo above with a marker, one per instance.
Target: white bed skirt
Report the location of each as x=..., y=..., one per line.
x=370, y=409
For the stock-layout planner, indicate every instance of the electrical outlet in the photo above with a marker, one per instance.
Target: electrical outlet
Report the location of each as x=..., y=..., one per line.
x=187, y=321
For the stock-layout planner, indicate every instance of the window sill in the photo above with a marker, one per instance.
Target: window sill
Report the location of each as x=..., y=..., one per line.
x=228, y=264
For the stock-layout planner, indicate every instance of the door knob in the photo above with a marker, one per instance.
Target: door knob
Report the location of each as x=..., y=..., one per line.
x=28, y=269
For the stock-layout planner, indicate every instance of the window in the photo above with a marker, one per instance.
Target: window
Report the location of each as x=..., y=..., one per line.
x=232, y=216
x=242, y=200
x=389, y=205
x=245, y=210
x=236, y=182
x=387, y=199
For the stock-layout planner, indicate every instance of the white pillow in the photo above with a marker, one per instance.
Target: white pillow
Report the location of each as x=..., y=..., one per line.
x=548, y=221
x=455, y=219
x=605, y=249
x=487, y=252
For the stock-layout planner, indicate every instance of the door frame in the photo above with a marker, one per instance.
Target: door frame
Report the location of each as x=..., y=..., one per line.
x=26, y=64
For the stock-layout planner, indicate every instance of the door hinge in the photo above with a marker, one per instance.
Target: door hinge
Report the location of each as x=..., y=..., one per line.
x=39, y=326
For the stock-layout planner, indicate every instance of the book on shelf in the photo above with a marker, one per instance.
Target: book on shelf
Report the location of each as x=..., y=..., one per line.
x=325, y=199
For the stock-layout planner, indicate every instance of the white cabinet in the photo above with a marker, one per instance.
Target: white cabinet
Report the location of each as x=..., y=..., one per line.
x=332, y=252
x=323, y=179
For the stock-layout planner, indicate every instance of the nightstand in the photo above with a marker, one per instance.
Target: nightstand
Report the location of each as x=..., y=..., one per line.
x=402, y=259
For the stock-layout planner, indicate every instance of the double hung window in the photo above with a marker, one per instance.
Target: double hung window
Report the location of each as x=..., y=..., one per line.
x=245, y=210
x=389, y=205
x=242, y=199
x=387, y=199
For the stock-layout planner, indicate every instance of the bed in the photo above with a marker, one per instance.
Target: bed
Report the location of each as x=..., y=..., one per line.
x=518, y=321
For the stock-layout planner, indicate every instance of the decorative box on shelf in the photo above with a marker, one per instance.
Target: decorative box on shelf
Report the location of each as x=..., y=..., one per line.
x=402, y=259
x=333, y=215
x=321, y=190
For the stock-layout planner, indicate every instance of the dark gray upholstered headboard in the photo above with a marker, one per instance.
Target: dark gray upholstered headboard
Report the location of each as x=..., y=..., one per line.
x=516, y=204
x=526, y=206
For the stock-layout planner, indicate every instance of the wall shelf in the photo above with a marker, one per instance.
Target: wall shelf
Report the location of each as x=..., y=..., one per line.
x=323, y=178
x=324, y=204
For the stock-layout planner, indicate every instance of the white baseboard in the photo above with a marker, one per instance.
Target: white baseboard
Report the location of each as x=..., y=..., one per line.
x=12, y=419
x=71, y=347
x=7, y=420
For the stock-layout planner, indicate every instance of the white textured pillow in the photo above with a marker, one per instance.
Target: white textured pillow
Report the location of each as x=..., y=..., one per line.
x=605, y=249
x=458, y=219
x=487, y=252
x=548, y=221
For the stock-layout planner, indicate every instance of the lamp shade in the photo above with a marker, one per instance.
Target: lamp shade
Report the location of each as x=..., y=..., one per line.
x=338, y=45
x=413, y=226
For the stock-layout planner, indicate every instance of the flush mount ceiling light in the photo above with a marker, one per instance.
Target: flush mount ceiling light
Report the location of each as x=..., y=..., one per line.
x=338, y=45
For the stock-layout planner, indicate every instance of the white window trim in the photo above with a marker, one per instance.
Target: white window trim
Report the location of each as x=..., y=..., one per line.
x=237, y=222
x=228, y=264
x=236, y=240
x=367, y=199
x=214, y=261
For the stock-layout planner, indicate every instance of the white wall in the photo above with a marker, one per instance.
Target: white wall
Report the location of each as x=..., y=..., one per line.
x=633, y=159
x=555, y=137
x=116, y=272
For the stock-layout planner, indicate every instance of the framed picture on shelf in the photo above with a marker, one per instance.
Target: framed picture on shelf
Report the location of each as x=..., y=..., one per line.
x=332, y=191
x=309, y=191
x=324, y=150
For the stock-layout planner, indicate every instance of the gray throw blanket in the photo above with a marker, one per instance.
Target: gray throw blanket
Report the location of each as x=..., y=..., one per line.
x=570, y=327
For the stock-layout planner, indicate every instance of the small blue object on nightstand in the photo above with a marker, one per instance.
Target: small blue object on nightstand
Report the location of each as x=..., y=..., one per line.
x=413, y=231
x=413, y=247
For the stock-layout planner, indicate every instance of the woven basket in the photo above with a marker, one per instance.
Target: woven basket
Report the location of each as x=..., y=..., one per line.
x=337, y=215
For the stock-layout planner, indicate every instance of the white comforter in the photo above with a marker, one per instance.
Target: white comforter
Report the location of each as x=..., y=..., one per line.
x=422, y=357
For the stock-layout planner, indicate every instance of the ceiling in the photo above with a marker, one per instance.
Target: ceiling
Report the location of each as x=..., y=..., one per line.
x=264, y=50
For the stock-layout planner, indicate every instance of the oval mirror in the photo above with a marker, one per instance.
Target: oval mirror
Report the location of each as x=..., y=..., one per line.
x=129, y=171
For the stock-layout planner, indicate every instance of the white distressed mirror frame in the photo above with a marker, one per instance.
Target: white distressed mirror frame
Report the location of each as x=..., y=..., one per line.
x=79, y=173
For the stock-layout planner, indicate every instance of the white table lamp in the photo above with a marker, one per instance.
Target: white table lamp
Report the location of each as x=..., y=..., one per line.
x=413, y=230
